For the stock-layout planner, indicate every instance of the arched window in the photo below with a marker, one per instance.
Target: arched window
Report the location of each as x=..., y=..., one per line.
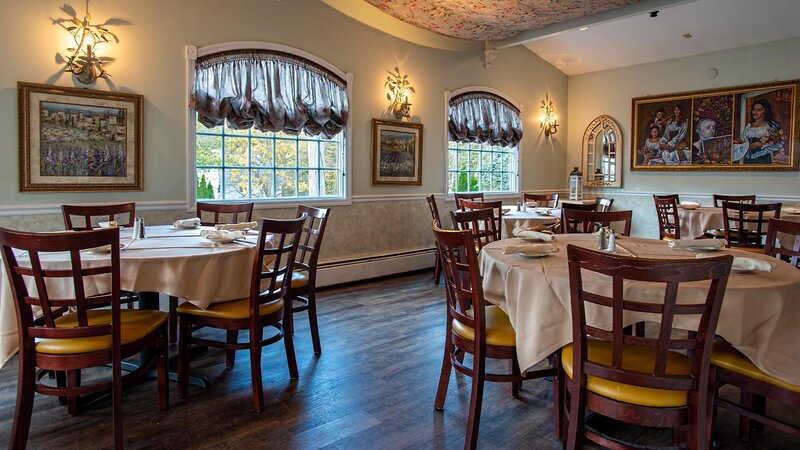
x=269, y=123
x=484, y=130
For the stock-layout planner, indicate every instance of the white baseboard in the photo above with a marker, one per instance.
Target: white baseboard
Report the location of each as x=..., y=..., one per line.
x=373, y=267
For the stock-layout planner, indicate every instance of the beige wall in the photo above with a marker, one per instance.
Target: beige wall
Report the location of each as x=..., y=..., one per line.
x=150, y=61
x=610, y=92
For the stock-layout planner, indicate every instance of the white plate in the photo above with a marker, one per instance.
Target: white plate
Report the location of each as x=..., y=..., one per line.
x=533, y=254
x=703, y=249
x=221, y=240
x=186, y=227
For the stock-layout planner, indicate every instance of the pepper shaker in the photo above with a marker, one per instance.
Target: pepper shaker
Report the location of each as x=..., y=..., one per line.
x=602, y=243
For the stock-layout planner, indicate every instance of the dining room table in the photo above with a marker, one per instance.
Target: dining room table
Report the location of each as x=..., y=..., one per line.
x=173, y=261
x=695, y=221
x=760, y=314
x=530, y=217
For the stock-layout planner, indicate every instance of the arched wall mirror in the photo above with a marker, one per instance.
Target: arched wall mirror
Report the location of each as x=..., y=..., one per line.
x=602, y=162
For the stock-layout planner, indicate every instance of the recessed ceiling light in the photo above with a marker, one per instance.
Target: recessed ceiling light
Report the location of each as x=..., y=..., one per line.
x=583, y=28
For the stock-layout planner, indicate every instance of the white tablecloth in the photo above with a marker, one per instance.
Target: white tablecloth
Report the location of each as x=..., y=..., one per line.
x=695, y=222
x=760, y=314
x=514, y=219
x=170, y=261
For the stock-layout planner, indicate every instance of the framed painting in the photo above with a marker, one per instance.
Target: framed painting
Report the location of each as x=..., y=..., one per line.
x=742, y=128
x=74, y=140
x=396, y=153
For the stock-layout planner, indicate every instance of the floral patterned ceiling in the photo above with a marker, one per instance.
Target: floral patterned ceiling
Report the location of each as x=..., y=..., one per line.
x=491, y=20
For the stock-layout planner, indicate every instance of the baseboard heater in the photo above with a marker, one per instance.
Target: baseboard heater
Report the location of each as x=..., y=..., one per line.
x=358, y=269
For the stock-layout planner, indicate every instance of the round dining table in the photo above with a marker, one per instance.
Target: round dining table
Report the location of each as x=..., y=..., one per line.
x=171, y=261
x=514, y=218
x=760, y=314
x=696, y=221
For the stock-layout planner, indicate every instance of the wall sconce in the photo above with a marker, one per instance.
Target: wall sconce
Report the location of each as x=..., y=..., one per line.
x=82, y=61
x=399, y=87
x=549, y=119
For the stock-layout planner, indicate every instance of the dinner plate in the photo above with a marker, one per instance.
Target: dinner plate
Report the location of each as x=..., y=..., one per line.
x=186, y=227
x=221, y=240
x=699, y=248
x=533, y=254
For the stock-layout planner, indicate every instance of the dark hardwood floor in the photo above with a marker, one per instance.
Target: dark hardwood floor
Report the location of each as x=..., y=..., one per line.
x=372, y=387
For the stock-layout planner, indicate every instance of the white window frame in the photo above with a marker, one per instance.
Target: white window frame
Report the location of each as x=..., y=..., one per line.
x=450, y=94
x=192, y=53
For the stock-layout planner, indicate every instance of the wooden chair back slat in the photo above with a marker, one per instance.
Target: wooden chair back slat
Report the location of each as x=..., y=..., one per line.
x=99, y=212
x=311, y=239
x=270, y=279
x=576, y=221
x=542, y=200
x=471, y=196
x=603, y=204
x=667, y=212
x=437, y=219
x=497, y=210
x=719, y=198
x=462, y=279
x=787, y=245
x=481, y=223
x=580, y=206
x=232, y=209
x=746, y=224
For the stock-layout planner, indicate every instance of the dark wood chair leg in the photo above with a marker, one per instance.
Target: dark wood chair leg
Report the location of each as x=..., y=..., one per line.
x=73, y=381
x=513, y=368
x=744, y=422
x=474, y=420
x=162, y=371
x=116, y=401
x=25, y=393
x=255, y=368
x=558, y=398
x=230, y=355
x=312, y=320
x=444, y=375
x=184, y=355
x=437, y=269
x=288, y=342
x=173, y=319
x=575, y=428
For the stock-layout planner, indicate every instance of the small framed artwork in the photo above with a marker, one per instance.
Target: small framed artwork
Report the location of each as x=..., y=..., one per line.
x=74, y=140
x=741, y=128
x=396, y=153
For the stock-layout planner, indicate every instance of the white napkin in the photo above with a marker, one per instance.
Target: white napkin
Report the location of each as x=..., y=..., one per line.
x=111, y=224
x=529, y=234
x=743, y=263
x=683, y=243
x=237, y=226
x=222, y=234
x=529, y=248
x=182, y=223
x=791, y=210
x=688, y=205
x=543, y=211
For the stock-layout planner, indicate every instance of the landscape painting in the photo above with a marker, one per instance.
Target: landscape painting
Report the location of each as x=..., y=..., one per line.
x=397, y=153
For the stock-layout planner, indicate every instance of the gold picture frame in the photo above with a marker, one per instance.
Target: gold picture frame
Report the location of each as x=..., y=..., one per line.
x=741, y=128
x=79, y=140
x=396, y=153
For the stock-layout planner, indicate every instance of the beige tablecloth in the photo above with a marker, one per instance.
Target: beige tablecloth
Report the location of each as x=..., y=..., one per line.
x=695, y=222
x=760, y=315
x=170, y=261
x=527, y=219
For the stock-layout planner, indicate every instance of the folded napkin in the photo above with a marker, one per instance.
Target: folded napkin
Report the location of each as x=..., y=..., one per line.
x=683, y=243
x=543, y=211
x=529, y=248
x=791, y=210
x=111, y=224
x=743, y=263
x=222, y=234
x=187, y=223
x=237, y=226
x=525, y=233
x=688, y=205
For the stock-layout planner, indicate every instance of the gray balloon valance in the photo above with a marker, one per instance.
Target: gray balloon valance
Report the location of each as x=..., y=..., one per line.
x=483, y=117
x=270, y=91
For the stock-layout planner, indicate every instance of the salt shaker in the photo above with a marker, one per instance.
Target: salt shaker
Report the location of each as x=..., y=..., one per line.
x=612, y=241
x=519, y=205
x=603, y=239
x=138, y=228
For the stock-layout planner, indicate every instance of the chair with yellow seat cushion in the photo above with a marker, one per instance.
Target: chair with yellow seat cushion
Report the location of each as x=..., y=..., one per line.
x=645, y=381
x=302, y=293
x=729, y=366
x=746, y=224
x=669, y=225
x=482, y=223
x=273, y=260
x=475, y=327
x=85, y=337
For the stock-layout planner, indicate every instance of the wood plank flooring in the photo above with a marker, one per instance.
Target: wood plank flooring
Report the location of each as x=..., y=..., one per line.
x=372, y=387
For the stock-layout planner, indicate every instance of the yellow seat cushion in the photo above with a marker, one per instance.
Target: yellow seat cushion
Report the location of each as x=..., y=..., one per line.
x=135, y=324
x=299, y=279
x=727, y=357
x=499, y=331
x=667, y=238
x=236, y=309
x=633, y=358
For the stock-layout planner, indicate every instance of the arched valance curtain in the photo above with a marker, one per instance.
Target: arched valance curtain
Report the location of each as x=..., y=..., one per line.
x=484, y=118
x=271, y=91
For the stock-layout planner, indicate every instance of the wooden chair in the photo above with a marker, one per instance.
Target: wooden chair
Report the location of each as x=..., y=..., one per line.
x=658, y=381
x=789, y=248
x=84, y=336
x=603, y=204
x=302, y=293
x=481, y=222
x=746, y=225
x=225, y=208
x=580, y=206
x=719, y=198
x=264, y=307
x=497, y=210
x=101, y=212
x=471, y=196
x=542, y=200
x=474, y=326
x=576, y=221
x=669, y=225
x=437, y=221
